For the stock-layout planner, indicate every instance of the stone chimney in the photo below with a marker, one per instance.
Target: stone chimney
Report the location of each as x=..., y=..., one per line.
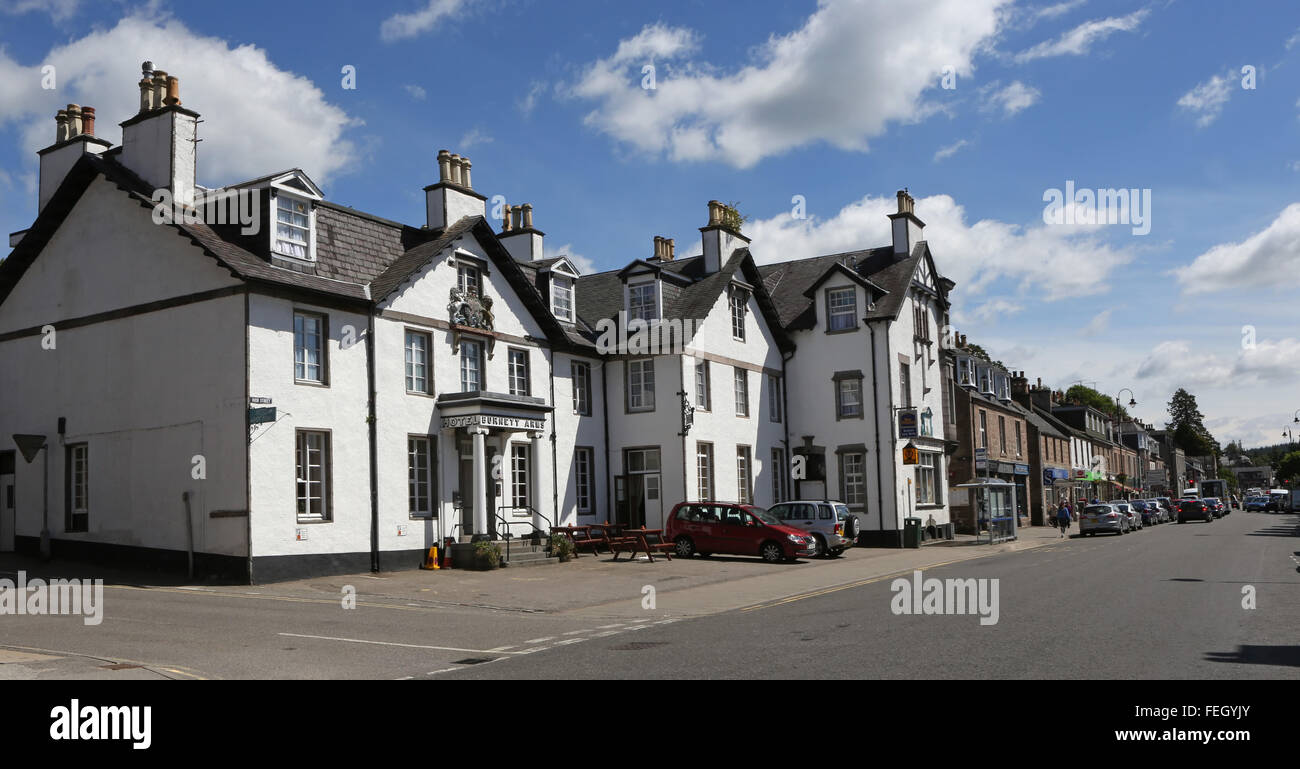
x=74, y=136
x=908, y=230
x=663, y=249
x=159, y=144
x=453, y=198
x=719, y=238
x=523, y=241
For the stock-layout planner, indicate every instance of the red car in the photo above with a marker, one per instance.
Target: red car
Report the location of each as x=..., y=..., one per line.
x=732, y=529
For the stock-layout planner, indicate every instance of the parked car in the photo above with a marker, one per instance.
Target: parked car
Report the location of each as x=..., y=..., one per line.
x=1097, y=518
x=1216, y=506
x=734, y=529
x=1256, y=504
x=1134, y=518
x=1166, y=515
x=831, y=525
x=1236, y=502
x=1194, y=509
x=1149, y=513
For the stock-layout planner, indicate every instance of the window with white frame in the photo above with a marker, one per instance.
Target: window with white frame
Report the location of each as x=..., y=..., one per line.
x=744, y=476
x=742, y=392
x=313, y=470
x=780, y=476
x=292, y=227
x=1002, y=434
x=848, y=398
x=704, y=469
x=841, y=309
x=471, y=366
x=702, y=389
x=853, y=478
x=739, y=298
x=641, y=385
x=905, y=385
x=927, y=473
x=519, y=475
x=775, y=402
x=518, y=372
x=468, y=279
x=580, y=373
x=309, y=347
x=583, y=478
x=562, y=297
x=419, y=474
x=642, y=302
x=417, y=362
x=77, y=479
x=1019, y=445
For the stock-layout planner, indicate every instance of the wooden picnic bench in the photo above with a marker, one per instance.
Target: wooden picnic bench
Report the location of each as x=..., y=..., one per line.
x=649, y=541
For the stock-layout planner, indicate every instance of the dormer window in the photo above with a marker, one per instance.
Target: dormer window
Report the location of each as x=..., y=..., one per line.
x=642, y=302
x=562, y=297
x=965, y=376
x=986, y=381
x=293, y=227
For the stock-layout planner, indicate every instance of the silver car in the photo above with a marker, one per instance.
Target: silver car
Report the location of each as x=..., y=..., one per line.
x=1134, y=517
x=831, y=524
x=1095, y=518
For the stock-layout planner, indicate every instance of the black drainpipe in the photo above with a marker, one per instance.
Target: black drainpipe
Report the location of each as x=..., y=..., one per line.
x=875, y=416
x=785, y=414
x=604, y=404
x=555, y=455
x=374, y=442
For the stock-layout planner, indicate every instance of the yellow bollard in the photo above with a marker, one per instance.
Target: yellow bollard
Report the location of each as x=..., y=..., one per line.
x=431, y=560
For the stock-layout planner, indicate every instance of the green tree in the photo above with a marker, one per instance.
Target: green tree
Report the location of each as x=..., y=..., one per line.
x=1289, y=467
x=1188, y=425
x=982, y=354
x=1089, y=397
x=1227, y=475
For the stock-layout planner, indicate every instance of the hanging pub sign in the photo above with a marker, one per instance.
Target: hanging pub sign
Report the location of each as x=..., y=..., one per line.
x=911, y=455
x=907, y=423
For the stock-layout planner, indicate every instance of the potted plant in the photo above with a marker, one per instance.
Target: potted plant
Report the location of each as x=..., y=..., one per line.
x=561, y=548
x=486, y=556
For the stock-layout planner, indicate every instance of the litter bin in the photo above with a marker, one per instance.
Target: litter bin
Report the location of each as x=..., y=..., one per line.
x=911, y=532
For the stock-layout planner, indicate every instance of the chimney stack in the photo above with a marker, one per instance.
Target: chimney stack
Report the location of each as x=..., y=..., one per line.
x=908, y=230
x=160, y=143
x=659, y=248
x=719, y=240
x=74, y=136
x=453, y=197
x=521, y=239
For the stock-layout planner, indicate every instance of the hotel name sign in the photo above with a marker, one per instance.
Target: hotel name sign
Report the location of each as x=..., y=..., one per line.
x=493, y=420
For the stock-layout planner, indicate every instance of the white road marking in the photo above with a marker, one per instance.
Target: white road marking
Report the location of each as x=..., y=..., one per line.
x=540, y=640
x=390, y=643
x=501, y=648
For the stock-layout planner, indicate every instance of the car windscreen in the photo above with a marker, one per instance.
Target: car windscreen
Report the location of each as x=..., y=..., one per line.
x=763, y=515
x=1098, y=510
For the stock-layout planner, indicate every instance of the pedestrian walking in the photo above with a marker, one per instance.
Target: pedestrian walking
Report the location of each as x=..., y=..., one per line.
x=1063, y=517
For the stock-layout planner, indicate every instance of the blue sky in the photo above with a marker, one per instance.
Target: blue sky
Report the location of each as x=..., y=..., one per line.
x=841, y=102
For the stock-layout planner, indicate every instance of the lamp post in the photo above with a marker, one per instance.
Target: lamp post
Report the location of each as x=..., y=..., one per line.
x=1132, y=402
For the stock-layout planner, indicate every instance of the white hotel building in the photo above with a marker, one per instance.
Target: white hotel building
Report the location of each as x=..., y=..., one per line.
x=332, y=392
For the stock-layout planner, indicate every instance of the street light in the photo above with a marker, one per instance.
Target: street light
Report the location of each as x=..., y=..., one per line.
x=1132, y=402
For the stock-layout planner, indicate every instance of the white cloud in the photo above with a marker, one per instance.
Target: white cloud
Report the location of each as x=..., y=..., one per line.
x=1270, y=361
x=528, y=102
x=473, y=138
x=1176, y=359
x=402, y=26
x=416, y=92
x=1207, y=99
x=57, y=9
x=855, y=65
x=1009, y=100
x=995, y=310
x=1295, y=166
x=946, y=152
x=1079, y=41
x=1256, y=262
x=1098, y=325
x=1045, y=258
x=1293, y=41
x=1055, y=11
x=585, y=266
x=1180, y=361
x=258, y=118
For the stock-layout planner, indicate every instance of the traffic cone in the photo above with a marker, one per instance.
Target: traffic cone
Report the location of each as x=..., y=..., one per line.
x=431, y=560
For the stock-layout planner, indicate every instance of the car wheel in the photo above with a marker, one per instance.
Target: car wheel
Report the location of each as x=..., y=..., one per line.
x=685, y=547
x=820, y=545
x=851, y=527
x=771, y=552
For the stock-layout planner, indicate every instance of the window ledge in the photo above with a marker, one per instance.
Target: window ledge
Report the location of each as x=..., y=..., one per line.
x=843, y=330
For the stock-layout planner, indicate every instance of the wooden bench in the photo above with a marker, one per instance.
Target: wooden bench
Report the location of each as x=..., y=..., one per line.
x=648, y=541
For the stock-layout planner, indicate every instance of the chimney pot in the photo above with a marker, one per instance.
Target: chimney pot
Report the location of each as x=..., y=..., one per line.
x=464, y=172
x=146, y=94
x=173, y=92
x=715, y=213
x=672, y=249
x=444, y=166
x=88, y=121
x=159, y=88
x=74, y=121
x=528, y=216
x=455, y=169
x=659, y=247
x=506, y=224
x=61, y=126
